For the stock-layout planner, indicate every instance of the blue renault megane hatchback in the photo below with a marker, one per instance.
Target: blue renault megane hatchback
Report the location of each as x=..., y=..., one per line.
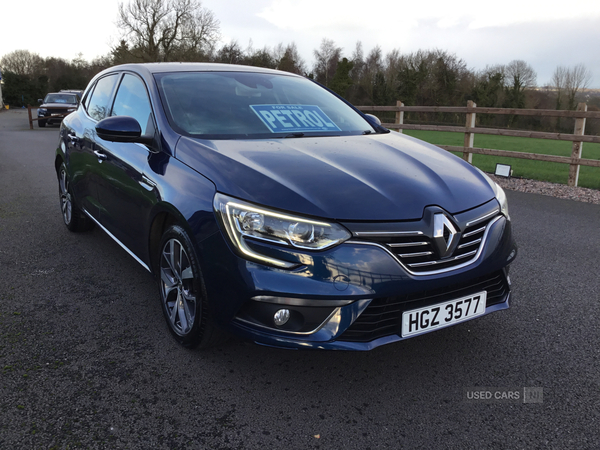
x=267, y=206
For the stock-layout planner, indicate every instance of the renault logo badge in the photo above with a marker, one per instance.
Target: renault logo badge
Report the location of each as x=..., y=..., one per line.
x=443, y=234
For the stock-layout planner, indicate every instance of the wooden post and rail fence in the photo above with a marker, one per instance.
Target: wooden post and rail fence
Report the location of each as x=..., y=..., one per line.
x=53, y=117
x=577, y=138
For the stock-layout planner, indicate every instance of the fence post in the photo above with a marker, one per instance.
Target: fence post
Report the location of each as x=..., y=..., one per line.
x=577, y=146
x=399, y=116
x=469, y=137
x=30, y=119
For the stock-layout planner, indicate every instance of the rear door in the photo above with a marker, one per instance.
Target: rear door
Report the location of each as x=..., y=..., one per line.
x=84, y=160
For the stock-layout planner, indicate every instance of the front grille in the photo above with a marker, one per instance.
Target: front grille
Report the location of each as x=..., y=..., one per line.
x=417, y=252
x=57, y=110
x=383, y=316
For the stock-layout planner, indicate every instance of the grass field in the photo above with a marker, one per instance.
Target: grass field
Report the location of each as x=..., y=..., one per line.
x=537, y=170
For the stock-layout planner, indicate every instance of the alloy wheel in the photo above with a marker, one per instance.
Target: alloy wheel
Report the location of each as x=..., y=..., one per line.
x=66, y=203
x=177, y=287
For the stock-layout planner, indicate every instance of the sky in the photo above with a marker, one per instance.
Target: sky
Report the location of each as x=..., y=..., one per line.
x=545, y=33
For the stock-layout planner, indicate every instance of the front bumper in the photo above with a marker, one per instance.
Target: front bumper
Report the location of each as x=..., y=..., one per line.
x=350, y=297
x=53, y=115
x=367, y=324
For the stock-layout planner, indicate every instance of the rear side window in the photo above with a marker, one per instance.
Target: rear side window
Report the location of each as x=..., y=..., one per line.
x=98, y=105
x=86, y=100
x=132, y=100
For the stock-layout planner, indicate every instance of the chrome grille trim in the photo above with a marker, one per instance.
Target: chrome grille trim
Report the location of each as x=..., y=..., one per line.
x=407, y=244
x=482, y=218
x=387, y=233
x=471, y=233
x=414, y=255
x=443, y=261
x=475, y=253
x=468, y=244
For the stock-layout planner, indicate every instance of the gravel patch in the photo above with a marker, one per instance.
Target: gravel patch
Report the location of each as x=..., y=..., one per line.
x=579, y=194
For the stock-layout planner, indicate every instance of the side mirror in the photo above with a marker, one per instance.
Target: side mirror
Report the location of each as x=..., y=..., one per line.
x=40, y=100
x=121, y=129
x=373, y=119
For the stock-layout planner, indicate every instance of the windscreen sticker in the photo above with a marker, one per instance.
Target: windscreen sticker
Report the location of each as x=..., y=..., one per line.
x=294, y=118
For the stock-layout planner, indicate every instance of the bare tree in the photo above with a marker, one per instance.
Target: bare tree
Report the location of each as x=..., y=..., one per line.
x=518, y=76
x=559, y=78
x=165, y=30
x=231, y=53
x=327, y=57
x=358, y=60
x=260, y=57
x=392, y=65
x=576, y=79
x=98, y=64
x=356, y=93
x=288, y=59
x=373, y=64
x=521, y=74
x=22, y=62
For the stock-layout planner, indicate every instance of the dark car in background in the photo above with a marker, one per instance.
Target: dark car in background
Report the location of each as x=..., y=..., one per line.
x=55, y=106
x=268, y=206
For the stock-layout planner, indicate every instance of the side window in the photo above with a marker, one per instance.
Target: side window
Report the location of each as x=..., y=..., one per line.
x=98, y=104
x=132, y=100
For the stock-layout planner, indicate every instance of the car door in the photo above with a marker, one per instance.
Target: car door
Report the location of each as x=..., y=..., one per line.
x=84, y=160
x=127, y=188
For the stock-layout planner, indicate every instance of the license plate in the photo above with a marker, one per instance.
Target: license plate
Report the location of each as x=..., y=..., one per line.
x=431, y=318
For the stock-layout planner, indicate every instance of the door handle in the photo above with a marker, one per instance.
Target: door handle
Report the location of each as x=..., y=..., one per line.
x=101, y=156
x=147, y=183
x=74, y=139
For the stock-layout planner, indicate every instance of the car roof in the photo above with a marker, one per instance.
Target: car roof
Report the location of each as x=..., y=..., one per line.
x=152, y=68
x=61, y=93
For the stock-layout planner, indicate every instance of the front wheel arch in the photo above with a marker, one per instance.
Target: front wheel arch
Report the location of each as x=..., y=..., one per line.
x=182, y=291
x=161, y=222
x=57, y=163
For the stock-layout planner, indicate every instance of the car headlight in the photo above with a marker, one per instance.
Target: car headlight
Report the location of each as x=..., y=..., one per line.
x=498, y=192
x=42, y=111
x=244, y=221
x=501, y=197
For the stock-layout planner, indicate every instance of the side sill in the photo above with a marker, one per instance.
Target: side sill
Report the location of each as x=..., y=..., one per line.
x=142, y=263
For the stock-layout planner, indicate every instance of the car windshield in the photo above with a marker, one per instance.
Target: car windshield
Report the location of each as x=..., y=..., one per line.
x=241, y=105
x=61, y=98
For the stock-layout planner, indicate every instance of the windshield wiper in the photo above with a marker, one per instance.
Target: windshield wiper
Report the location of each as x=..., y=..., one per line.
x=309, y=135
x=367, y=132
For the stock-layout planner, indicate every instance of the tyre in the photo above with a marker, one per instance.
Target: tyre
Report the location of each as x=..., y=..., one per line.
x=74, y=218
x=41, y=123
x=182, y=292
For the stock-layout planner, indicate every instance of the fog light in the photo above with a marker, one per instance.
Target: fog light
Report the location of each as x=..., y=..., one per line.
x=281, y=317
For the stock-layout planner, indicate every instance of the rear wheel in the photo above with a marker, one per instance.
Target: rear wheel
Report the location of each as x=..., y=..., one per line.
x=182, y=292
x=74, y=218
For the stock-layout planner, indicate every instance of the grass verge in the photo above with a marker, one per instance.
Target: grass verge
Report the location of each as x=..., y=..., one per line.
x=536, y=170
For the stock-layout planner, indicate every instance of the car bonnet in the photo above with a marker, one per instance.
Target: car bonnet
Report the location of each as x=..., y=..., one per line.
x=370, y=177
